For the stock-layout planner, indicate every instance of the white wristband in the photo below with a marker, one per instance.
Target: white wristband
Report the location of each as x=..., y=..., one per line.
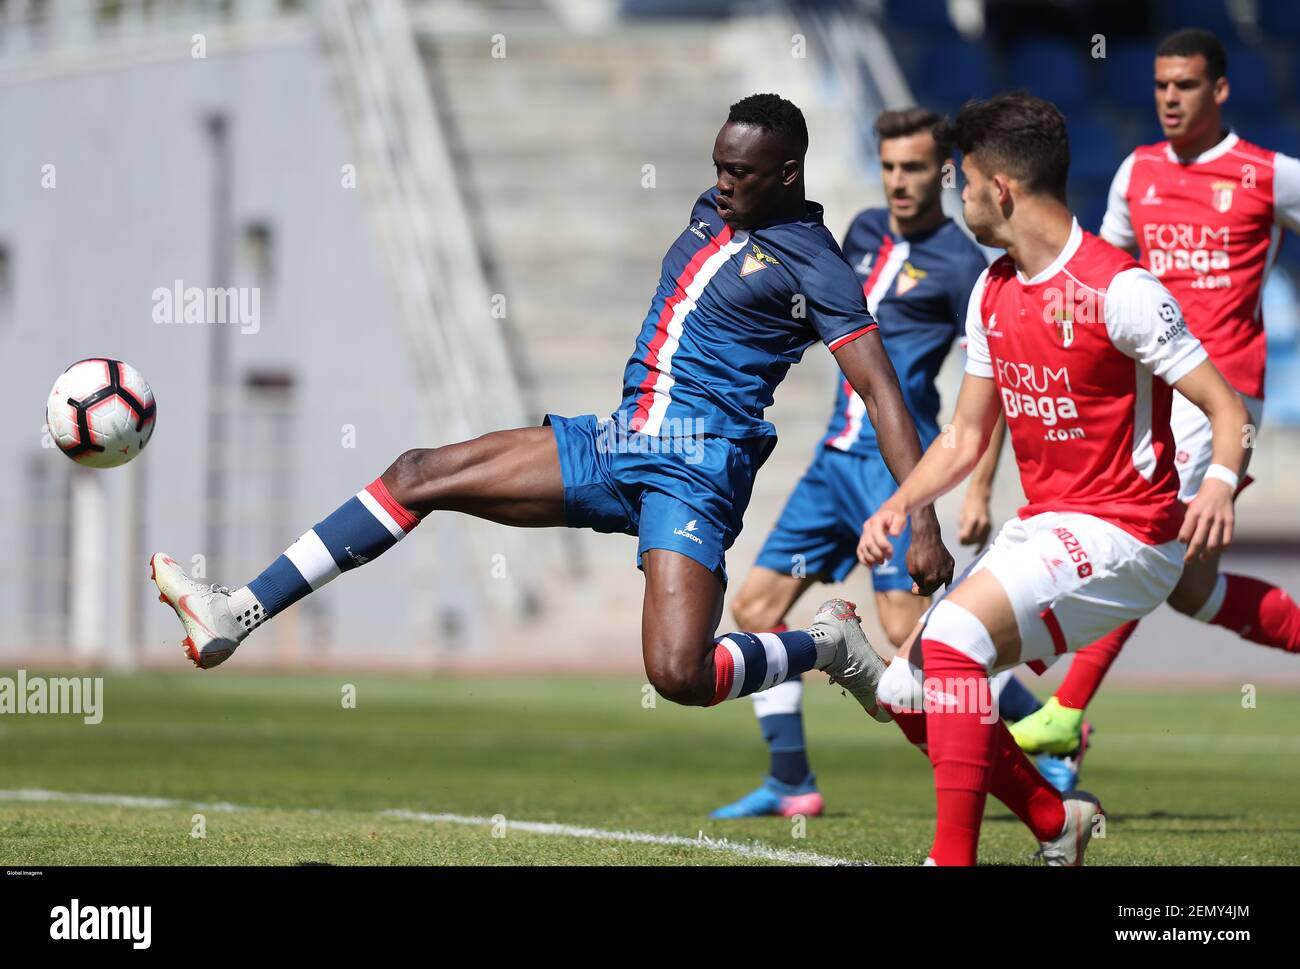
x=1223, y=474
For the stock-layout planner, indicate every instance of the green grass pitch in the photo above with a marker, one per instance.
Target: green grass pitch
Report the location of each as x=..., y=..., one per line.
x=1188, y=777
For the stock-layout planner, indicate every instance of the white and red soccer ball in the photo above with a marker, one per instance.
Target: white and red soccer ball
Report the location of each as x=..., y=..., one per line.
x=101, y=412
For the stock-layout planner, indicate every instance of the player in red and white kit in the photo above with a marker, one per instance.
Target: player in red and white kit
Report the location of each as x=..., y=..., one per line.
x=1079, y=347
x=1206, y=210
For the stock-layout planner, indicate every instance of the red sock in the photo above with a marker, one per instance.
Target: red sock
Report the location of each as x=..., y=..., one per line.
x=1089, y=667
x=1015, y=781
x=962, y=739
x=1019, y=785
x=913, y=726
x=1259, y=612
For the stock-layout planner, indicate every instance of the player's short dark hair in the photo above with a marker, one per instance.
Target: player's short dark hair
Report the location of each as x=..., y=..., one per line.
x=1019, y=134
x=902, y=122
x=774, y=114
x=1191, y=41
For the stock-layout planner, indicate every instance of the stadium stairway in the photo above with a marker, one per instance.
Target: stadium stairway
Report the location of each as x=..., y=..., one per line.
x=580, y=157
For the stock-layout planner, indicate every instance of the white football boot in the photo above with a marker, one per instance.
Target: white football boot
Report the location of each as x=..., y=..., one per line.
x=212, y=631
x=853, y=664
x=1066, y=849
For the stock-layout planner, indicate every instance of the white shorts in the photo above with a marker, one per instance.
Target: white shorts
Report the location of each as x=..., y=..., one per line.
x=1072, y=578
x=1193, y=445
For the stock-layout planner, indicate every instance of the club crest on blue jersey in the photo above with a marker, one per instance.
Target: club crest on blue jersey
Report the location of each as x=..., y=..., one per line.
x=756, y=259
x=918, y=323
x=908, y=279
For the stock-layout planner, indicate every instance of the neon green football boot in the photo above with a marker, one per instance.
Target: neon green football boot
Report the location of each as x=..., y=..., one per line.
x=1053, y=729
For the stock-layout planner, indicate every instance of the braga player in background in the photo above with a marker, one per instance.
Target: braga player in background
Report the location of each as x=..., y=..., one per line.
x=1205, y=211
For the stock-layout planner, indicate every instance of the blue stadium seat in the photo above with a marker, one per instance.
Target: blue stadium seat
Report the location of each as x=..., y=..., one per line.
x=1051, y=69
x=1251, y=78
x=1095, y=149
x=679, y=8
x=1210, y=14
x=1149, y=132
x=951, y=72
x=1279, y=20
x=1088, y=201
x=928, y=17
x=1277, y=135
x=1128, y=76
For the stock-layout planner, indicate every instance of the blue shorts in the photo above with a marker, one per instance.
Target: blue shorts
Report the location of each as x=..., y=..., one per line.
x=687, y=495
x=817, y=533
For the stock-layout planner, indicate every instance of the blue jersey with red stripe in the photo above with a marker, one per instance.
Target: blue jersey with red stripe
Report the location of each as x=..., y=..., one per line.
x=734, y=309
x=917, y=288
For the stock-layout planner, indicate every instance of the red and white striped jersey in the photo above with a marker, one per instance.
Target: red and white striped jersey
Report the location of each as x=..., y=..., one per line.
x=1209, y=228
x=1075, y=352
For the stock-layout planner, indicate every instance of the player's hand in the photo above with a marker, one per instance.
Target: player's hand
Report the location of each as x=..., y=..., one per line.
x=975, y=523
x=928, y=561
x=875, y=547
x=1207, y=528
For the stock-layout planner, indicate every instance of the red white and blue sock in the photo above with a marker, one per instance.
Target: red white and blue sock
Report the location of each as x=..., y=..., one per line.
x=745, y=663
x=361, y=529
x=780, y=718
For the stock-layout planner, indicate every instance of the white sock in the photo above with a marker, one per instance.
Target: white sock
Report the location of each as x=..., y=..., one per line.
x=785, y=697
x=247, y=610
x=825, y=641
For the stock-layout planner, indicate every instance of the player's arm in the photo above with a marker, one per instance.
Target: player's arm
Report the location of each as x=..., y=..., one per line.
x=1286, y=192
x=870, y=372
x=1207, y=529
x=1145, y=322
x=952, y=456
x=975, y=523
x=1117, y=223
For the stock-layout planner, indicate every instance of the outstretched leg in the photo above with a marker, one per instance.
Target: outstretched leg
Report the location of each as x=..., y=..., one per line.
x=688, y=664
x=511, y=477
x=1253, y=609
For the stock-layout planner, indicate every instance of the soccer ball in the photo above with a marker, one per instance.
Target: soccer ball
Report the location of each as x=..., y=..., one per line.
x=100, y=412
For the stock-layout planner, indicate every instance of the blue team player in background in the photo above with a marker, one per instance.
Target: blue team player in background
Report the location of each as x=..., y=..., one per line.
x=917, y=270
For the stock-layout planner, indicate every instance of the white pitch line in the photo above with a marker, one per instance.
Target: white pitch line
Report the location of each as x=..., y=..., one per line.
x=723, y=845
x=746, y=850
x=113, y=800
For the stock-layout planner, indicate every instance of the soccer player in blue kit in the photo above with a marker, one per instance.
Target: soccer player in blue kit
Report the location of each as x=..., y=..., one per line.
x=752, y=281
x=917, y=269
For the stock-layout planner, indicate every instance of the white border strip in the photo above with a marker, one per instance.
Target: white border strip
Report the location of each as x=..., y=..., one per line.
x=722, y=845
